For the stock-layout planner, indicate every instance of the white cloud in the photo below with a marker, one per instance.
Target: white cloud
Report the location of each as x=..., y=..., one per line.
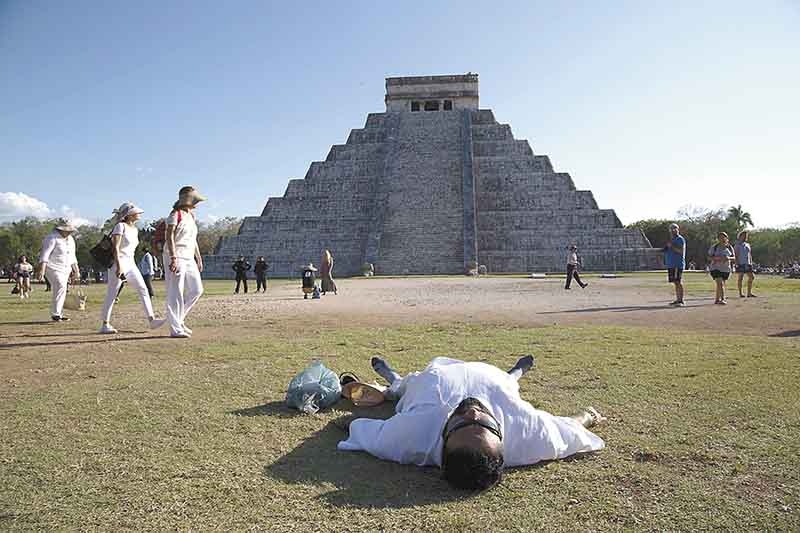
x=18, y=205
x=73, y=216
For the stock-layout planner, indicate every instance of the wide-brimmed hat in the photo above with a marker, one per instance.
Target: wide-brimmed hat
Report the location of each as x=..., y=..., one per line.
x=310, y=266
x=189, y=196
x=64, y=225
x=127, y=209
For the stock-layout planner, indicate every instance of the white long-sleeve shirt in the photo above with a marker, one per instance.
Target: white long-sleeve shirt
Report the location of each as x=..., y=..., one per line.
x=58, y=252
x=414, y=434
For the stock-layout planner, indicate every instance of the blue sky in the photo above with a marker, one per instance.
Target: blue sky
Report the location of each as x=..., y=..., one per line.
x=651, y=105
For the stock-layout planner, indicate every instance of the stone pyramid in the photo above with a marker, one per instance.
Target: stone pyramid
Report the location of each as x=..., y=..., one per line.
x=428, y=187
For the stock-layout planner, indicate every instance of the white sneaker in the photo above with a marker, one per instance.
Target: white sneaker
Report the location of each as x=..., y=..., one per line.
x=157, y=323
x=180, y=335
x=187, y=330
x=107, y=329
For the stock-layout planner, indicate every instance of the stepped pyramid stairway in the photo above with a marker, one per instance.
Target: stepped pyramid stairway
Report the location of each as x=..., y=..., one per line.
x=427, y=192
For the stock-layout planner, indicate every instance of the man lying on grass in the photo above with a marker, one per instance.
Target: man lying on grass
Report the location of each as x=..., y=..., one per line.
x=469, y=419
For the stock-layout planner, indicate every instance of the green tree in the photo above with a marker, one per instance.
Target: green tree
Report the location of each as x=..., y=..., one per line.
x=740, y=217
x=209, y=235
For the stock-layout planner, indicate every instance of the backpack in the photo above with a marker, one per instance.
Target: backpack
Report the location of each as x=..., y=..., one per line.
x=160, y=233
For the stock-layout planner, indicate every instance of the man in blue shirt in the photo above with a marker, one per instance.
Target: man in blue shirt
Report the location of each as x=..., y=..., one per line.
x=148, y=268
x=675, y=260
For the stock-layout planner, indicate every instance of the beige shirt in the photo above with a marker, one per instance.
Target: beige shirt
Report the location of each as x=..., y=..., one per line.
x=185, y=235
x=58, y=252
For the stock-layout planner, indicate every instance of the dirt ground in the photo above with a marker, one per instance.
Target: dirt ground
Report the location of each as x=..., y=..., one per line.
x=30, y=349
x=628, y=301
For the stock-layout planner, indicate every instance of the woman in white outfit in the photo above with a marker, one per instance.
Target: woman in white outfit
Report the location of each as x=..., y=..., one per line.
x=182, y=261
x=59, y=264
x=125, y=239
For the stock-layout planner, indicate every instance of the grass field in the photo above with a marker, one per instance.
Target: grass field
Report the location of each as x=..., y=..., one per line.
x=162, y=435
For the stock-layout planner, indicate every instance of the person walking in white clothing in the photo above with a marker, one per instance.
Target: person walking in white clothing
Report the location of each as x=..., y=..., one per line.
x=124, y=240
x=182, y=261
x=59, y=265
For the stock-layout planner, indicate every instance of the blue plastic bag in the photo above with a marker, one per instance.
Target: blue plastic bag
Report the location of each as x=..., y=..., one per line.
x=313, y=389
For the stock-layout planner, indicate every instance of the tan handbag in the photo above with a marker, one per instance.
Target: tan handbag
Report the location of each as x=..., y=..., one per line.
x=76, y=300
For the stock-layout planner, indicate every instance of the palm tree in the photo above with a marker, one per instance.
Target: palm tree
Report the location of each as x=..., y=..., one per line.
x=741, y=217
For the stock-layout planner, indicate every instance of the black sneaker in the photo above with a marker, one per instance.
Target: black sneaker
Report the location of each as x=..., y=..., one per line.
x=55, y=318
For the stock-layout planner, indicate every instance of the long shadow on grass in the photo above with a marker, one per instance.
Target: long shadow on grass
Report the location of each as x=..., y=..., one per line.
x=8, y=346
x=362, y=481
x=277, y=408
x=789, y=333
x=620, y=309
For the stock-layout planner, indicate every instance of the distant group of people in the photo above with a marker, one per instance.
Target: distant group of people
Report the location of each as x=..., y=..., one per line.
x=722, y=258
x=241, y=266
x=309, y=275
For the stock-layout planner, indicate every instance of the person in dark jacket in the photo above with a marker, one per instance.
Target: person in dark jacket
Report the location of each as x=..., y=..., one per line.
x=260, y=271
x=574, y=264
x=241, y=266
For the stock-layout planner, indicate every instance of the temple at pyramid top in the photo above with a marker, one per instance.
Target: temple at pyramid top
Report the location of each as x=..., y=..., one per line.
x=432, y=93
x=433, y=185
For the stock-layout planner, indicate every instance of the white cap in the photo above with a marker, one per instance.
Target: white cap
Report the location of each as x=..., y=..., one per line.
x=127, y=209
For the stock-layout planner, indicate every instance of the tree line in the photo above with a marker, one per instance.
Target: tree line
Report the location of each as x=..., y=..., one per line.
x=24, y=237
x=700, y=226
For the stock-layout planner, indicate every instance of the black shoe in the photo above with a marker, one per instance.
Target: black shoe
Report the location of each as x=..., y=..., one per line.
x=567, y=289
x=55, y=318
x=584, y=285
x=64, y=319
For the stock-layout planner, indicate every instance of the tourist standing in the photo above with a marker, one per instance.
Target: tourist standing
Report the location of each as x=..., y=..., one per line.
x=147, y=267
x=309, y=280
x=124, y=240
x=720, y=256
x=326, y=273
x=573, y=265
x=744, y=263
x=675, y=261
x=59, y=265
x=241, y=266
x=182, y=261
x=260, y=270
x=24, y=271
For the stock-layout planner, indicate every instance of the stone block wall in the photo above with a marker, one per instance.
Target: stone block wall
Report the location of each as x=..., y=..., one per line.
x=419, y=192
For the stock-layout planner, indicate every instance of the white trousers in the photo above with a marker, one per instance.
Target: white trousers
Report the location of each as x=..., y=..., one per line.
x=58, y=283
x=184, y=288
x=135, y=281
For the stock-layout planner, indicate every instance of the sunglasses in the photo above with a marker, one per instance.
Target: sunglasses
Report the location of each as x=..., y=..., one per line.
x=457, y=422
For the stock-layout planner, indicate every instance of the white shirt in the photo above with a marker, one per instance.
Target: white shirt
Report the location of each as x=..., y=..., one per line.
x=128, y=241
x=185, y=235
x=414, y=434
x=58, y=252
x=723, y=265
x=572, y=258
